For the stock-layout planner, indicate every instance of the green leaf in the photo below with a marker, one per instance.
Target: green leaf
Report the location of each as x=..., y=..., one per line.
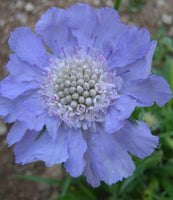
x=82, y=130
x=166, y=134
x=133, y=120
x=40, y=133
x=87, y=192
x=73, y=195
x=168, y=187
x=169, y=142
x=117, y=4
x=65, y=186
x=52, y=182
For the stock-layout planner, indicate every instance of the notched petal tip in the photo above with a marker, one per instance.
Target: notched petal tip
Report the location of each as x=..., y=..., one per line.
x=28, y=46
x=77, y=147
x=106, y=160
x=137, y=139
x=44, y=149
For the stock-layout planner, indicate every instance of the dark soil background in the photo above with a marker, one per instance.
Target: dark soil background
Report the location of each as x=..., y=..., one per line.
x=14, y=13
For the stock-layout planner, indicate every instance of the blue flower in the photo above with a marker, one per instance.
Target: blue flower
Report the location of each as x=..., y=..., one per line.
x=72, y=87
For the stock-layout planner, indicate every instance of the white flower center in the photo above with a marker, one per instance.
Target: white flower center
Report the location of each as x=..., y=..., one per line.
x=78, y=89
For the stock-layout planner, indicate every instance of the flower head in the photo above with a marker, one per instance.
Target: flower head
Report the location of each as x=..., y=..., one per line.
x=77, y=81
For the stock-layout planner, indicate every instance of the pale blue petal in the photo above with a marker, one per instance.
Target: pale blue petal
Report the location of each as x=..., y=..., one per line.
x=45, y=149
x=16, y=132
x=34, y=112
x=76, y=149
x=140, y=69
x=122, y=109
x=82, y=20
x=137, y=139
x=22, y=70
x=52, y=26
x=28, y=47
x=52, y=125
x=11, y=88
x=10, y=109
x=146, y=92
x=108, y=34
x=112, y=163
x=132, y=45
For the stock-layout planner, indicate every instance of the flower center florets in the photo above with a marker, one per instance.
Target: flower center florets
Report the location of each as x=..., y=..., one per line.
x=78, y=89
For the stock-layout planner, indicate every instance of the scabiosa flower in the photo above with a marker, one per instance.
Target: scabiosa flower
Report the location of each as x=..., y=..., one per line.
x=72, y=88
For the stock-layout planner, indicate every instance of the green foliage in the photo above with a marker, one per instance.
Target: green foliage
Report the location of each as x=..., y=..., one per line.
x=117, y=4
x=38, y=179
x=135, y=5
x=153, y=178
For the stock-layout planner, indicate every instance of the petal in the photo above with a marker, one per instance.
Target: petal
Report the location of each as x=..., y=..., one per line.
x=22, y=70
x=53, y=28
x=146, y=92
x=108, y=34
x=137, y=139
x=82, y=20
x=10, y=109
x=34, y=112
x=28, y=46
x=16, y=132
x=52, y=125
x=122, y=109
x=11, y=87
x=132, y=45
x=29, y=109
x=4, y=106
x=140, y=69
x=76, y=149
x=112, y=163
x=45, y=149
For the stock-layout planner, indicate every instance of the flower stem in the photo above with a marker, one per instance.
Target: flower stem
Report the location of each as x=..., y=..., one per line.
x=117, y=4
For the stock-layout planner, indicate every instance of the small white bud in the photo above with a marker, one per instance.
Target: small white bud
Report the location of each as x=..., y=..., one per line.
x=73, y=104
x=73, y=83
x=93, y=92
x=66, y=91
x=86, y=77
x=85, y=93
x=92, y=83
x=56, y=87
x=88, y=101
x=72, y=90
x=61, y=94
x=63, y=101
x=81, y=99
x=79, y=89
x=86, y=86
x=73, y=77
x=67, y=83
x=94, y=77
x=79, y=75
x=75, y=96
x=59, y=81
x=80, y=82
x=68, y=99
x=61, y=86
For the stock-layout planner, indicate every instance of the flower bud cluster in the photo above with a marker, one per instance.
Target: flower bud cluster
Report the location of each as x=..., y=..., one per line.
x=78, y=89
